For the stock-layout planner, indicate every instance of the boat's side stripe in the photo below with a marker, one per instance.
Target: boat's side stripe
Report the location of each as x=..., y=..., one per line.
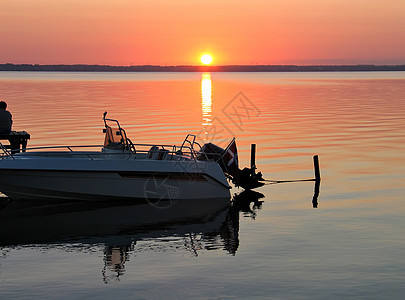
x=170, y=175
x=133, y=174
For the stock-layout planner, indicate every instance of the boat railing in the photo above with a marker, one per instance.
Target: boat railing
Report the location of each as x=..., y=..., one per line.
x=189, y=149
x=55, y=150
x=5, y=152
x=70, y=147
x=190, y=140
x=169, y=151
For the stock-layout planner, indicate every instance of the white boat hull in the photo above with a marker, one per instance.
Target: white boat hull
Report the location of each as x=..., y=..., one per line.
x=28, y=176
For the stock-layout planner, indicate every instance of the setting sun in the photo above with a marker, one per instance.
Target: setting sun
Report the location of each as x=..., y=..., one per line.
x=206, y=59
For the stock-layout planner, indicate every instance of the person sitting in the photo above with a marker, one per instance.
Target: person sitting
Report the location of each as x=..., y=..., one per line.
x=6, y=120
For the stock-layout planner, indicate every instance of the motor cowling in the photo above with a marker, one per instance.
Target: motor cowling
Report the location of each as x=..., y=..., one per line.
x=210, y=151
x=246, y=178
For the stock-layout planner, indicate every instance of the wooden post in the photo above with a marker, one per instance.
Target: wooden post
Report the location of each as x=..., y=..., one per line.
x=253, y=156
x=316, y=168
x=316, y=194
x=317, y=182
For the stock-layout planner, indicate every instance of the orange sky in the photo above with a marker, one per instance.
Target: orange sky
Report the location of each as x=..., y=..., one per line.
x=178, y=32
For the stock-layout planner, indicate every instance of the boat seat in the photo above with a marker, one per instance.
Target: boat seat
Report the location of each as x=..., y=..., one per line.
x=178, y=158
x=115, y=146
x=153, y=152
x=162, y=154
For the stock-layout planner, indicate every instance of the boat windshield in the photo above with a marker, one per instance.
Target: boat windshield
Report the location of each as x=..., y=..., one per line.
x=114, y=139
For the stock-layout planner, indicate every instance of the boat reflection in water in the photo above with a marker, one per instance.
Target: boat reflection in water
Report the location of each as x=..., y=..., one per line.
x=124, y=229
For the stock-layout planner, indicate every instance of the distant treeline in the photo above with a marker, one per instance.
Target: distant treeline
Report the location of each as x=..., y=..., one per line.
x=233, y=68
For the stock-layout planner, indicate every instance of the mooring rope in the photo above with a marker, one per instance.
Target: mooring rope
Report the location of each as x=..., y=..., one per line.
x=286, y=181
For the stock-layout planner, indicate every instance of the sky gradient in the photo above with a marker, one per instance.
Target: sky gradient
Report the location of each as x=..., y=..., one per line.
x=157, y=32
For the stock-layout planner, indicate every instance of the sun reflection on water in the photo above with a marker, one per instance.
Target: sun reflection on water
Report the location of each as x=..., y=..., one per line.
x=206, y=102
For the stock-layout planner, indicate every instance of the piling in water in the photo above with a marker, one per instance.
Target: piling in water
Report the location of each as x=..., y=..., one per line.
x=253, y=156
x=316, y=194
x=316, y=168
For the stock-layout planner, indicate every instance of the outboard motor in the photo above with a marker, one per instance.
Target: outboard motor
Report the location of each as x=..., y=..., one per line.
x=228, y=160
x=249, y=179
x=210, y=151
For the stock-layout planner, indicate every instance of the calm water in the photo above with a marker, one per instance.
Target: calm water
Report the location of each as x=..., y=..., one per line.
x=274, y=245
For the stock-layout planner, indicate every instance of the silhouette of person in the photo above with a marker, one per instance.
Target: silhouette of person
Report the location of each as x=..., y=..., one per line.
x=5, y=119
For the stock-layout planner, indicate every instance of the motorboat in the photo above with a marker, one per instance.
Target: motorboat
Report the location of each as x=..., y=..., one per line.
x=120, y=169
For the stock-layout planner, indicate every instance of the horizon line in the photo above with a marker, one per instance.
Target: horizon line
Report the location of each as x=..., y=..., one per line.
x=205, y=66
x=193, y=68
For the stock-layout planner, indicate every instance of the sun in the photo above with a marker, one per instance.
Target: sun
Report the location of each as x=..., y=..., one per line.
x=206, y=59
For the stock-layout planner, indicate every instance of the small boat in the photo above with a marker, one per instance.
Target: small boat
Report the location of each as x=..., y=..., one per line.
x=120, y=170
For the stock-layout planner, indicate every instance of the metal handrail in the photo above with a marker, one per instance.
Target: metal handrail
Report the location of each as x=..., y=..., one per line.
x=72, y=150
x=192, y=142
x=131, y=146
x=191, y=153
x=186, y=149
x=61, y=147
x=5, y=151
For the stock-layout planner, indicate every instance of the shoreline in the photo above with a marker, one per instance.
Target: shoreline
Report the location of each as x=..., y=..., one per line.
x=227, y=68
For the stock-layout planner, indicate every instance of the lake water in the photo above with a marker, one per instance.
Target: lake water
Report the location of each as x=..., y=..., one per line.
x=348, y=242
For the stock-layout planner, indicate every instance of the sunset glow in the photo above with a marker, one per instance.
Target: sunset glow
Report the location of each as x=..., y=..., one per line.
x=206, y=59
x=134, y=32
